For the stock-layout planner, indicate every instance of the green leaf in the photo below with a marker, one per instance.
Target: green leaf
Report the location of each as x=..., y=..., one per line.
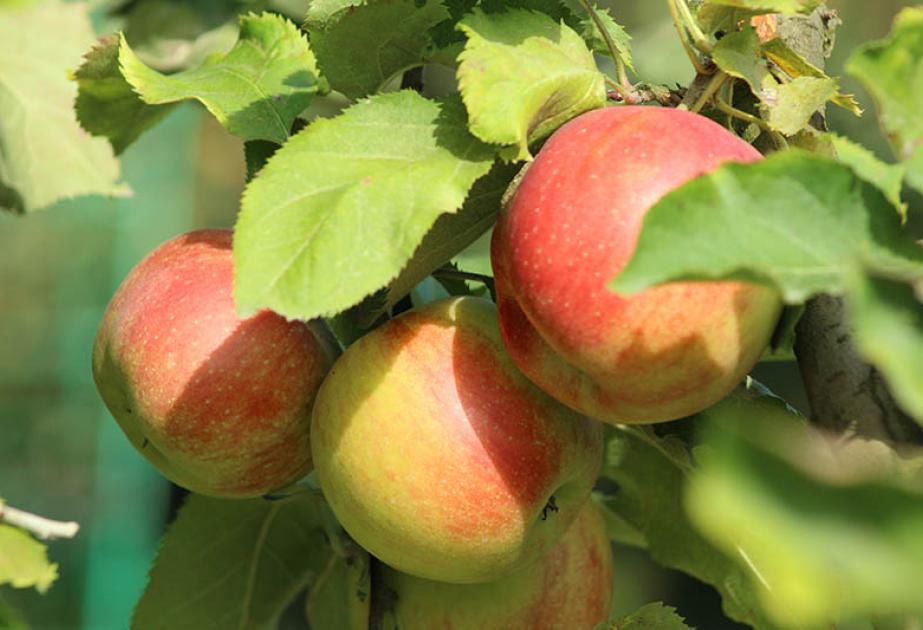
x=794, y=65
x=654, y=615
x=255, y=91
x=892, y=71
x=233, y=564
x=782, y=344
x=619, y=530
x=24, y=560
x=341, y=595
x=106, y=104
x=738, y=54
x=342, y=206
x=714, y=17
x=915, y=169
x=557, y=10
x=799, y=221
x=170, y=36
x=449, y=236
x=888, y=319
x=323, y=14
x=44, y=154
x=796, y=101
x=593, y=36
x=522, y=75
x=887, y=177
x=363, y=45
x=11, y=618
x=769, y=6
x=452, y=233
x=256, y=154
x=651, y=473
x=833, y=528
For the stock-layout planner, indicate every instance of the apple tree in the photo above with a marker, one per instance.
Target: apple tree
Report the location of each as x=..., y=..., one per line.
x=385, y=425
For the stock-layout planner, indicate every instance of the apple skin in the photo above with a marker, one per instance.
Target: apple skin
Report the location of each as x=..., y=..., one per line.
x=572, y=225
x=220, y=405
x=569, y=588
x=439, y=457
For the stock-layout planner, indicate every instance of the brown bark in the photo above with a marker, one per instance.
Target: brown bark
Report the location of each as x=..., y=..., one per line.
x=847, y=395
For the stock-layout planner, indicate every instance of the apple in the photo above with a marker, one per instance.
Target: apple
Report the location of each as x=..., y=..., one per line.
x=573, y=224
x=439, y=457
x=220, y=405
x=569, y=587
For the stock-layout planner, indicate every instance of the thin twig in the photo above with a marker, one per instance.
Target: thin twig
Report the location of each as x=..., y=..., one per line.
x=42, y=527
x=620, y=70
x=714, y=84
x=730, y=110
x=684, y=39
x=699, y=40
x=458, y=274
x=618, y=89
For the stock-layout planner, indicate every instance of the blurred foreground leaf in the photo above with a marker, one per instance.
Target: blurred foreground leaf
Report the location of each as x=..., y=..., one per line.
x=651, y=472
x=801, y=222
x=832, y=531
x=892, y=70
x=888, y=318
x=45, y=156
x=866, y=165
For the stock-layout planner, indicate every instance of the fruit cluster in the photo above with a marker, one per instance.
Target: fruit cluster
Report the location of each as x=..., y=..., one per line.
x=458, y=443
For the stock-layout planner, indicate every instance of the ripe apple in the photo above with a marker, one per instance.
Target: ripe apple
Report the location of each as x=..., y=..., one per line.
x=570, y=587
x=439, y=457
x=220, y=405
x=573, y=224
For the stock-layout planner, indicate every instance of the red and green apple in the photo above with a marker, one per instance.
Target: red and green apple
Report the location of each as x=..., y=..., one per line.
x=439, y=457
x=573, y=224
x=220, y=405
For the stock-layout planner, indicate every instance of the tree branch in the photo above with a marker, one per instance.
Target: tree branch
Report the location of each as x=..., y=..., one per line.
x=41, y=527
x=846, y=394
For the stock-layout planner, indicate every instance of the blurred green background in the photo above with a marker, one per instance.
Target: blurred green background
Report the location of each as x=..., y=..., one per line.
x=62, y=456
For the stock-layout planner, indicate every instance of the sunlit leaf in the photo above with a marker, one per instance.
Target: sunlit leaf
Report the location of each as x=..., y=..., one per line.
x=361, y=45
x=340, y=209
x=255, y=91
x=522, y=75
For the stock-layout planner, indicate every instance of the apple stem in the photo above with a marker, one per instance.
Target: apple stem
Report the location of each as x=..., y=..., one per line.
x=41, y=527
